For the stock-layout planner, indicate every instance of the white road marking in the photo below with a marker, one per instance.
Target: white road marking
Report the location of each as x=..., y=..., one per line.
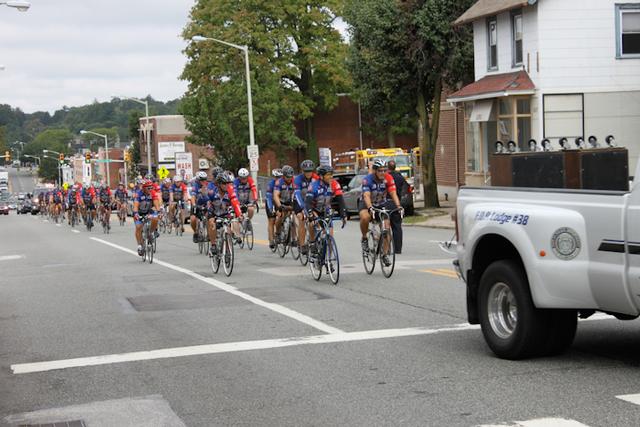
x=355, y=268
x=45, y=220
x=58, y=225
x=75, y=231
x=280, y=309
x=10, y=257
x=542, y=422
x=167, y=353
x=631, y=398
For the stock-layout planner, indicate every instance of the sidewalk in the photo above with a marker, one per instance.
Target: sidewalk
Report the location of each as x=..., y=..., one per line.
x=433, y=218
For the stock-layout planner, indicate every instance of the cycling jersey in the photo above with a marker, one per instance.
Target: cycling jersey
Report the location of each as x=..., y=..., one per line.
x=246, y=191
x=88, y=194
x=286, y=191
x=379, y=190
x=165, y=192
x=178, y=191
x=301, y=184
x=105, y=195
x=73, y=197
x=320, y=195
x=57, y=197
x=269, y=194
x=145, y=201
x=201, y=192
x=221, y=202
x=121, y=195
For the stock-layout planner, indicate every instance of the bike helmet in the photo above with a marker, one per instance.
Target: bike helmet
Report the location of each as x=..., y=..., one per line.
x=378, y=163
x=147, y=184
x=167, y=181
x=307, y=166
x=215, y=171
x=201, y=176
x=323, y=170
x=177, y=179
x=287, y=171
x=243, y=173
x=224, y=178
x=277, y=173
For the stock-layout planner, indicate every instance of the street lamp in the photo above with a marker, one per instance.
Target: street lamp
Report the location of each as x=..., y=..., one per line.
x=244, y=49
x=22, y=6
x=57, y=160
x=33, y=157
x=21, y=146
x=147, y=129
x=106, y=149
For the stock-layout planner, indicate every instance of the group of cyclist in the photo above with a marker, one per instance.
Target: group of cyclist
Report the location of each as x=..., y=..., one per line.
x=311, y=194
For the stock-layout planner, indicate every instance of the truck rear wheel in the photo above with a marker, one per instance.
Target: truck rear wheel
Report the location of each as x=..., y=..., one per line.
x=512, y=327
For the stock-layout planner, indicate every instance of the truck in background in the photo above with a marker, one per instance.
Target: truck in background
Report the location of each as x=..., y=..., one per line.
x=358, y=161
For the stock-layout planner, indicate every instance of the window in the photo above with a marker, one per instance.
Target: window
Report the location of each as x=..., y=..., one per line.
x=472, y=140
x=628, y=30
x=516, y=31
x=514, y=121
x=492, y=38
x=563, y=116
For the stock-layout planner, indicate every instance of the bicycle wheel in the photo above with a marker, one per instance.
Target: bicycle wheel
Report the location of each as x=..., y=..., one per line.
x=282, y=242
x=227, y=254
x=243, y=233
x=314, y=262
x=200, y=234
x=151, y=243
x=369, y=257
x=248, y=234
x=390, y=253
x=304, y=258
x=215, y=261
x=293, y=241
x=332, y=260
x=144, y=241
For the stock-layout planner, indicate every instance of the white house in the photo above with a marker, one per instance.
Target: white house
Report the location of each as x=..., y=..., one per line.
x=551, y=69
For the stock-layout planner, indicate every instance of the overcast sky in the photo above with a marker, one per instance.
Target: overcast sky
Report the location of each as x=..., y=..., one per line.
x=70, y=52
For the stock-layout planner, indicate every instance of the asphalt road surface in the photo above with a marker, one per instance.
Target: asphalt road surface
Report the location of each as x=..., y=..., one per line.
x=21, y=181
x=89, y=333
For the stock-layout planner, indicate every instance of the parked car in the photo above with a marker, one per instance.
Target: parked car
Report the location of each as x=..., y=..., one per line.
x=25, y=207
x=35, y=209
x=353, y=192
x=4, y=209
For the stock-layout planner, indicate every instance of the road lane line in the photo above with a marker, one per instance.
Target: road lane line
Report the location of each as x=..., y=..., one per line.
x=10, y=257
x=631, y=398
x=444, y=273
x=58, y=225
x=542, y=422
x=75, y=231
x=168, y=353
x=280, y=309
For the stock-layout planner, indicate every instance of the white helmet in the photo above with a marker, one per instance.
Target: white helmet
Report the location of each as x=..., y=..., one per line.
x=177, y=178
x=243, y=173
x=167, y=181
x=201, y=175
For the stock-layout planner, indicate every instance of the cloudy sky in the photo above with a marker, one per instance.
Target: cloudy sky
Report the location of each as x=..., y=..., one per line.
x=70, y=52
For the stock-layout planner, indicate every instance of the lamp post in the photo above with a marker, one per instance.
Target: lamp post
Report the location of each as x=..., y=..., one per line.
x=22, y=6
x=33, y=157
x=106, y=149
x=245, y=49
x=57, y=160
x=21, y=147
x=147, y=128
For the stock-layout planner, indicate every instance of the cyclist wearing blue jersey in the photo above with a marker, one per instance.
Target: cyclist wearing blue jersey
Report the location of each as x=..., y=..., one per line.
x=301, y=184
x=270, y=208
x=199, y=200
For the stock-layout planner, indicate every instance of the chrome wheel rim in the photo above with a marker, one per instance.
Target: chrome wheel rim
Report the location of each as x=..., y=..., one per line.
x=502, y=310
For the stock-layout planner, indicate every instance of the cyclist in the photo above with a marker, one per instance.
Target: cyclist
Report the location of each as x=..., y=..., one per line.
x=56, y=201
x=318, y=200
x=222, y=201
x=146, y=202
x=270, y=208
x=283, y=196
x=301, y=184
x=121, y=196
x=378, y=192
x=165, y=193
x=179, y=196
x=89, y=202
x=74, y=199
x=104, y=196
x=200, y=190
x=247, y=194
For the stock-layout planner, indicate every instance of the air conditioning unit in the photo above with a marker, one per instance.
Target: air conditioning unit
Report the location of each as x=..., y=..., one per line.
x=203, y=164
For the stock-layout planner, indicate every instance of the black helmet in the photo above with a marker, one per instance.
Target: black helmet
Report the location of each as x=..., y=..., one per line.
x=287, y=171
x=323, y=170
x=224, y=178
x=215, y=171
x=307, y=166
x=378, y=163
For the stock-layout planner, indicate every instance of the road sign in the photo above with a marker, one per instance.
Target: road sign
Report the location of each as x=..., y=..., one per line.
x=254, y=165
x=163, y=172
x=184, y=165
x=253, y=152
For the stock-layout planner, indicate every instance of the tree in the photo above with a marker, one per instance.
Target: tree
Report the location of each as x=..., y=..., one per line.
x=134, y=149
x=297, y=60
x=94, y=142
x=423, y=54
x=52, y=139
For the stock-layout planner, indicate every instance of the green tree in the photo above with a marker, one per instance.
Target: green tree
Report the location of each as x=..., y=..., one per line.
x=3, y=142
x=422, y=54
x=51, y=139
x=134, y=149
x=94, y=142
x=297, y=61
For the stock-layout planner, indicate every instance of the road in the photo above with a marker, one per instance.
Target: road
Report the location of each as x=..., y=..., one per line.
x=88, y=332
x=22, y=181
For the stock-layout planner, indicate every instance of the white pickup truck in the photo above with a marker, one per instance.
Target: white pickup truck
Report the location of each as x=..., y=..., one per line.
x=534, y=260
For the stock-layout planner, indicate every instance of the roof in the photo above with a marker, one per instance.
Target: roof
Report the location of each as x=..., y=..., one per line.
x=484, y=8
x=494, y=86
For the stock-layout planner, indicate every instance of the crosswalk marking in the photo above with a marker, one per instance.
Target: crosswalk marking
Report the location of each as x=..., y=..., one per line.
x=631, y=398
x=541, y=422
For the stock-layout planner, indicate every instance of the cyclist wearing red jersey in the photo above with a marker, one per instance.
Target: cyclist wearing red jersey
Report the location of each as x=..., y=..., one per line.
x=146, y=202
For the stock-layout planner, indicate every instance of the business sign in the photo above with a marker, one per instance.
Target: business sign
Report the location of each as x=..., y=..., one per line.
x=203, y=164
x=325, y=156
x=167, y=151
x=86, y=173
x=184, y=165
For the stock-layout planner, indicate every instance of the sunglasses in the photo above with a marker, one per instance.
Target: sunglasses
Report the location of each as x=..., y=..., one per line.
x=383, y=170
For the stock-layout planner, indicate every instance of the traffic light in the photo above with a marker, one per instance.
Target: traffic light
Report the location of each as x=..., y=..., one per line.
x=127, y=156
x=7, y=156
x=87, y=157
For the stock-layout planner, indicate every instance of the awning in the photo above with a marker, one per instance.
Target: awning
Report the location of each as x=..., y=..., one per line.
x=495, y=86
x=485, y=8
x=481, y=111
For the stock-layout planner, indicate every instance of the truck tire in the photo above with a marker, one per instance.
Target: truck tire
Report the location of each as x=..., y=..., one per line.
x=512, y=327
x=563, y=327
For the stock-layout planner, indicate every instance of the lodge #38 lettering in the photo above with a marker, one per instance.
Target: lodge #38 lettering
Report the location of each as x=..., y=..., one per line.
x=502, y=218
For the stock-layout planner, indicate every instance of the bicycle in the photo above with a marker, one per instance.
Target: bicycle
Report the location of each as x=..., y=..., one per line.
x=326, y=251
x=122, y=213
x=104, y=220
x=246, y=233
x=380, y=244
x=287, y=238
x=148, y=240
x=224, y=245
x=74, y=215
x=88, y=220
x=178, y=218
x=202, y=232
x=163, y=222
